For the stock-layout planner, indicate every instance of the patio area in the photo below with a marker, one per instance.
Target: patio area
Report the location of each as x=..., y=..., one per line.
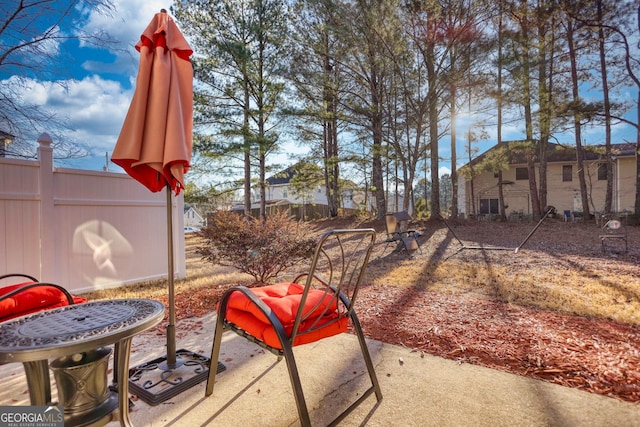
x=418, y=390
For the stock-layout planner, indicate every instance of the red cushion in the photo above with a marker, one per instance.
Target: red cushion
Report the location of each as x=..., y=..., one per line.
x=32, y=300
x=284, y=299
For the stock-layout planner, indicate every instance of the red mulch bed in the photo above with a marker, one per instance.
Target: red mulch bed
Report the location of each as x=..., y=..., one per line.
x=596, y=355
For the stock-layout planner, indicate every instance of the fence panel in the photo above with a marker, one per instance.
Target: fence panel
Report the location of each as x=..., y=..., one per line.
x=19, y=219
x=86, y=230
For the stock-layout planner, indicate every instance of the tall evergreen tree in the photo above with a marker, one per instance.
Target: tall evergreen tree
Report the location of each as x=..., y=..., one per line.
x=316, y=74
x=240, y=82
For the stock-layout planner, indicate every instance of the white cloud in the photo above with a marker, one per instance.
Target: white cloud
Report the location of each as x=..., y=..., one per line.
x=125, y=25
x=130, y=18
x=443, y=170
x=94, y=107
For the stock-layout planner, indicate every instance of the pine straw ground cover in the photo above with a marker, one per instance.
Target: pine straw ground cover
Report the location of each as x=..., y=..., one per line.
x=559, y=310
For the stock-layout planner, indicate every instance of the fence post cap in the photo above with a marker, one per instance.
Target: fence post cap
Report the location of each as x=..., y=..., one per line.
x=45, y=139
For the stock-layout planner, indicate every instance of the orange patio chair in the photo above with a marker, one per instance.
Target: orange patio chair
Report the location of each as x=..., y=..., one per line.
x=29, y=296
x=315, y=305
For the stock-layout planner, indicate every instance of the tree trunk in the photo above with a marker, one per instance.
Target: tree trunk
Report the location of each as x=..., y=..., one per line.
x=545, y=87
x=637, y=201
x=503, y=211
x=528, y=118
x=607, y=111
x=330, y=136
x=577, y=126
x=454, y=171
x=376, y=175
x=247, y=151
x=432, y=100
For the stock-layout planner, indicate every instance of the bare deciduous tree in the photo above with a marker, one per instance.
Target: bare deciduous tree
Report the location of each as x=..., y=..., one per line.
x=32, y=38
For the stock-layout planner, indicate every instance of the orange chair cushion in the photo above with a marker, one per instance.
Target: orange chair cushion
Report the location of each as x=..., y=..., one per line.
x=32, y=300
x=284, y=300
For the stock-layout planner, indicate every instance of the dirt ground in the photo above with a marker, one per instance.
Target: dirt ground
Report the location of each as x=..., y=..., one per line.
x=560, y=309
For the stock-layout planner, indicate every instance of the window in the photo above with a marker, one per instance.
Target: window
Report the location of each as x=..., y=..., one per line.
x=567, y=173
x=522, y=173
x=285, y=192
x=602, y=171
x=489, y=206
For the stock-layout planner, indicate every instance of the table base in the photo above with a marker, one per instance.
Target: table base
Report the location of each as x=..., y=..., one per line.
x=83, y=390
x=154, y=385
x=102, y=414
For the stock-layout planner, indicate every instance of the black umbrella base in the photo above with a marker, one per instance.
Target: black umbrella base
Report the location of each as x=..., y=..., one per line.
x=153, y=383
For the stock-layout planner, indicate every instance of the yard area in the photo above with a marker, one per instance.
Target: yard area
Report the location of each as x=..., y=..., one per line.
x=559, y=310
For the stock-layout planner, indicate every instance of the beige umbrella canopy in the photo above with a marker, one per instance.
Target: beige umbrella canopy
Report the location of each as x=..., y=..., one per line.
x=155, y=142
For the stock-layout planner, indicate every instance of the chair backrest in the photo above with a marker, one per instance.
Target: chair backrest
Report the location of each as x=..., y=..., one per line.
x=335, y=275
x=391, y=223
x=21, y=298
x=615, y=225
x=402, y=216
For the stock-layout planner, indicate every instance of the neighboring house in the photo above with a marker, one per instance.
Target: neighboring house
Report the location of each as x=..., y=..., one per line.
x=192, y=218
x=395, y=202
x=563, y=187
x=279, y=188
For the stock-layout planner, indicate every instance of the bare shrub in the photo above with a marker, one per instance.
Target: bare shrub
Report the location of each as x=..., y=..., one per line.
x=262, y=249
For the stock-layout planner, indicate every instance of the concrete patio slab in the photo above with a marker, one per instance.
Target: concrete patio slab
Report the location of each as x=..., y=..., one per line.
x=418, y=390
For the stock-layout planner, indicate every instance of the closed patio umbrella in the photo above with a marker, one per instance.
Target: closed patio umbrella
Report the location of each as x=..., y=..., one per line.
x=155, y=143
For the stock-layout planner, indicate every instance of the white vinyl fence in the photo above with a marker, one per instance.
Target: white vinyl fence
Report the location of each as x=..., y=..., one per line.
x=84, y=230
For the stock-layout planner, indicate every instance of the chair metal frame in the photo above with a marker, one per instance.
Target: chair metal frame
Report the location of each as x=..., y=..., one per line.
x=342, y=283
x=34, y=284
x=615, y=227
x=395, y=234
x=549, y=211
x=22, y=275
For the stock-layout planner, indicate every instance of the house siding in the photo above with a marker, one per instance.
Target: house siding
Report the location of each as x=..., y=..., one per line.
x=192, y=218
x=563, y=195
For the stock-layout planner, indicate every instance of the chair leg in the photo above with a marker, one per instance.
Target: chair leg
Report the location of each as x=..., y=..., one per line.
x=366, y=356
x=375, y=386
x=287, y=350
x=301, y=404
x=418, y=243
x=215, y=354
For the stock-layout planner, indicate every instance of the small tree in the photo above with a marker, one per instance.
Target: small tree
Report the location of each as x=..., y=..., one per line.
x=306, y=178
x=262, y=249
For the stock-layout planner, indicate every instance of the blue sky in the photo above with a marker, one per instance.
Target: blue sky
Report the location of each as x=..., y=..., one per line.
x=100, y=84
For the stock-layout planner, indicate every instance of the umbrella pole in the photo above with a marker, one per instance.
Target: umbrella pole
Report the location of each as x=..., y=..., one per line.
x=171, y=327
x=163, y=378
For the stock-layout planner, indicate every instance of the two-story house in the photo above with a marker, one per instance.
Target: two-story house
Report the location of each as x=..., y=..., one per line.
x=563, y=188
x=280, y=189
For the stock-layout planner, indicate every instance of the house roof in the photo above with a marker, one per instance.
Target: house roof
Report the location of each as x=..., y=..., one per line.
x=557, y=153
x=268, y=203
x=187, y=208
x=282, y=177
x=285, y=176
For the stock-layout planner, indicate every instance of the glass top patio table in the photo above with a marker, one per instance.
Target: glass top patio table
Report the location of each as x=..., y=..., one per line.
x=72, y=329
